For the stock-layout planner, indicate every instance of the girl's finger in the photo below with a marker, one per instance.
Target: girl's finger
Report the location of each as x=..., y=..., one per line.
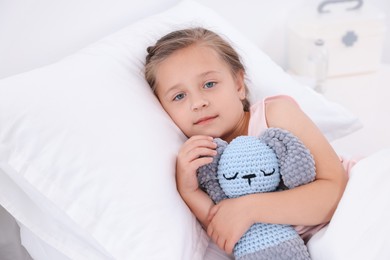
x=212, y=212
x=200, y=141
x=201, y=161
x=221, y=243
x=200, y=152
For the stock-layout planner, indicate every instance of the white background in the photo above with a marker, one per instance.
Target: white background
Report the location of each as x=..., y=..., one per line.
x=251, y=16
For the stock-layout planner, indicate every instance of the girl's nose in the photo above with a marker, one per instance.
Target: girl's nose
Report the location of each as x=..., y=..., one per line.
x=199, y=103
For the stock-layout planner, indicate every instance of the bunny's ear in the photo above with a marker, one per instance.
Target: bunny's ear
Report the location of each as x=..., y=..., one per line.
x=207, y=174
x=295, y=160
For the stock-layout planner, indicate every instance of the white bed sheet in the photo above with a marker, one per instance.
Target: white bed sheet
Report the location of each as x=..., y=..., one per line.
x=360, y=226
x=37, y=248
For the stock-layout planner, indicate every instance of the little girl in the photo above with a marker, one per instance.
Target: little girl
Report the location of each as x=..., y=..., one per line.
x=199, y=80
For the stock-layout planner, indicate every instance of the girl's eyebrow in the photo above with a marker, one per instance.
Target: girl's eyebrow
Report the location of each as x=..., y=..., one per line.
x=169, y=90
x=201, y=75
x=167, y=93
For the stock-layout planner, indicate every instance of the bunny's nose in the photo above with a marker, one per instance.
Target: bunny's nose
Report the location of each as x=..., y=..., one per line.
x=249, y=177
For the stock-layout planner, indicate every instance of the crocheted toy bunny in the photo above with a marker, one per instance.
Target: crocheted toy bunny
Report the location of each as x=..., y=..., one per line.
x=260, y=164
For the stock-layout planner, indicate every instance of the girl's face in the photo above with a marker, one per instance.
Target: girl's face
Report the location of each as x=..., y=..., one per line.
x=197, y=89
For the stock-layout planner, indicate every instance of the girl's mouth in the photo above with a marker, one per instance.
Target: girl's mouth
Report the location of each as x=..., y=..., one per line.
x=205, y=120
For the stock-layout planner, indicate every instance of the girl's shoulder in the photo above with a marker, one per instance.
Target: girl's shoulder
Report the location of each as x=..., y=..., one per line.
x=258, y=111
x=279, y=99
x=259, y=108
x=279, y=104
x=260, y=105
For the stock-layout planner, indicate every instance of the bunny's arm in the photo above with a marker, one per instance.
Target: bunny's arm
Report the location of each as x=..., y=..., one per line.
x=207, y=175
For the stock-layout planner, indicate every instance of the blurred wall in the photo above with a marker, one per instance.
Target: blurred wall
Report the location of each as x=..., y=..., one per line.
x=264, y=22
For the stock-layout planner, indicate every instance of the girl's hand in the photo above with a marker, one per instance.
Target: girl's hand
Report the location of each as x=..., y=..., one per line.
x=229, y=220
x=195, y=152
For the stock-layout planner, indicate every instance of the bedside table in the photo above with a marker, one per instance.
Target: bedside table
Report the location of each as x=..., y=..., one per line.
x=368, y=97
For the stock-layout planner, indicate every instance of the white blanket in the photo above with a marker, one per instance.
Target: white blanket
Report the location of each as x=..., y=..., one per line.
x=360, y=227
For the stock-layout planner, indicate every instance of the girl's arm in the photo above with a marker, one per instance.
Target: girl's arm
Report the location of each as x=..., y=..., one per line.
x=310, y=204
x=195, y=152
x=315, y=202
x=200, y=204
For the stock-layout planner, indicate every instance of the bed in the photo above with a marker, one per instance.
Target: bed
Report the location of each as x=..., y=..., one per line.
x=87, y=154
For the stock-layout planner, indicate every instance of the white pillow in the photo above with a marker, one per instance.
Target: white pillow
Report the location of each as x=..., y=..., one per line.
x=40, y=32
x=85, y=145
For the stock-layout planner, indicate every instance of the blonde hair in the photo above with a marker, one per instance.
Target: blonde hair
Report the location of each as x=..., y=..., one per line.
x=181, y=39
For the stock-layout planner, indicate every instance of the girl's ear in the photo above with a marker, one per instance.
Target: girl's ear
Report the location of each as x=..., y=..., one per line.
x=240, y=80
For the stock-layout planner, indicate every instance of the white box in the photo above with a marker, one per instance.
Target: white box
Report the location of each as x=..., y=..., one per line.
x=353, y=39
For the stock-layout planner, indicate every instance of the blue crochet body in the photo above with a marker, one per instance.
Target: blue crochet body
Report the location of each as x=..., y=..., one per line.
x=270, y=241
x=249, y=165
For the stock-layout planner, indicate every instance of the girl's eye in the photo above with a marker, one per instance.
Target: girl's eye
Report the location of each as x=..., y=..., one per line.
x=209, y=84
x=179, y=97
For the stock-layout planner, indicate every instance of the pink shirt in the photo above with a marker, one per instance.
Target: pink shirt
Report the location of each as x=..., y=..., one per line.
x=257, y=125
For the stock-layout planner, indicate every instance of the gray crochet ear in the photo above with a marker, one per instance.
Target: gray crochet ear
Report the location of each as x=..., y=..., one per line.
x=296, y=162
x=207, y=175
